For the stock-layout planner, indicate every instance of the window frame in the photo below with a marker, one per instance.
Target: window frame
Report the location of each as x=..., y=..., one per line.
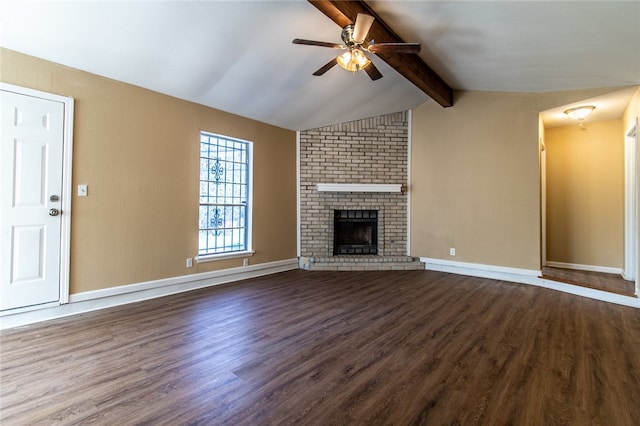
x=248, y=251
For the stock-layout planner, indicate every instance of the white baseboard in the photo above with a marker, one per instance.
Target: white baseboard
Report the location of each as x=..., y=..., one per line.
x=579, y=267
x=525, y=276
x=115, y=296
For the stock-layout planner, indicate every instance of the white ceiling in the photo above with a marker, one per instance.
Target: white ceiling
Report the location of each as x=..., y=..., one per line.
x=607, y=107
x=237, y=56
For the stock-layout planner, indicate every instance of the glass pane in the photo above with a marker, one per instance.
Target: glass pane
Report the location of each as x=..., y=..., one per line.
x=203, y=168
x=202, y=242
x=203, y=217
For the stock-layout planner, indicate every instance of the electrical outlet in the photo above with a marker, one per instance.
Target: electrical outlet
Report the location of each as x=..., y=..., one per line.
x=245, y=262
x=452, y=251
x=189, y=262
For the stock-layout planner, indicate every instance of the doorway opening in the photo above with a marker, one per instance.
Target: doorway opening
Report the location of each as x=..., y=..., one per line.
x=588, y=229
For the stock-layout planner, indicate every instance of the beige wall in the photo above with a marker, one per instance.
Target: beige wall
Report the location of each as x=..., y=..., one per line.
x=475, y=176
x=474, y=183
x=585, y=194
x=137, y=151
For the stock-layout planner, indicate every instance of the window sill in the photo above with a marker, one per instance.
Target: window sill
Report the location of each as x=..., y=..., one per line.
x=224, y=256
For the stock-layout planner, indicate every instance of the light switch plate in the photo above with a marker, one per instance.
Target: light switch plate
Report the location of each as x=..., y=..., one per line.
x=82, y=191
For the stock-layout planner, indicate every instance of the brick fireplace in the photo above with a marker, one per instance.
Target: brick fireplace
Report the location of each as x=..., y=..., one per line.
x=372, y=153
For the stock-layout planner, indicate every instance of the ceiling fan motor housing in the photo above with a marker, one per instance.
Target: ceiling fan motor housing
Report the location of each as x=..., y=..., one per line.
x=347, y=36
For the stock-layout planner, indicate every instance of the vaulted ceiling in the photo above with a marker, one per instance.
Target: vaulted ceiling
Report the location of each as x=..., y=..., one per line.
x=237, y=56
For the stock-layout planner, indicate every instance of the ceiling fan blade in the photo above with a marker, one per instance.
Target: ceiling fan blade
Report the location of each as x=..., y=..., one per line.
x=362, y=27
x=317, y=43
x=395, y=48
x=326, y=67
x=373, y=72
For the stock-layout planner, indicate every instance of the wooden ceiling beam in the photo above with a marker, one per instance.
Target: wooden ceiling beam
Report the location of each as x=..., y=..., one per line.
x=411, y=66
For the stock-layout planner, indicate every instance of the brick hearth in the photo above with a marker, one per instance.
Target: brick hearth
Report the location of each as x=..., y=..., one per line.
x=360, y=263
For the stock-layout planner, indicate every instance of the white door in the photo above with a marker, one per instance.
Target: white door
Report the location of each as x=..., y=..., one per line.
x=32, y=136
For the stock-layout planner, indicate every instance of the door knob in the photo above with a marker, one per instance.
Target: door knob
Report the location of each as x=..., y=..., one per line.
x=54, y=212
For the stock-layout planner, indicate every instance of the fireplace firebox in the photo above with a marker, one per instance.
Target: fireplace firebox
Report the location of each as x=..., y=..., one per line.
x=355, y=232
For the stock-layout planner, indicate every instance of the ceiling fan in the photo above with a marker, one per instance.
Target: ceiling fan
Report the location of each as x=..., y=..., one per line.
x=355, y=59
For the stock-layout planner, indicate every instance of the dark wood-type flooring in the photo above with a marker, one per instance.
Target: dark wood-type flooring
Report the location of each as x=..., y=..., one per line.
x=323, y=348
x=612, y=283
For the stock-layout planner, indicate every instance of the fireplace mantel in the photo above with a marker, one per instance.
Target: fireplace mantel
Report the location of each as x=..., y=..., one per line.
x=359, y=187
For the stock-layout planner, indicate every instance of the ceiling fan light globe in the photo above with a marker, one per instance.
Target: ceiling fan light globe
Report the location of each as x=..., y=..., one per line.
x=360, y=58
x=353, y=60
x=344, y=61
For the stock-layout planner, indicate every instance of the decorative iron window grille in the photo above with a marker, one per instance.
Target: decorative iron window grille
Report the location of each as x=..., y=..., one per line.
x=224, y=194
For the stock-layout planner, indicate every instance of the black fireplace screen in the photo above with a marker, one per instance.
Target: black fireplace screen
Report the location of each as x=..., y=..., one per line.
x=355, y=232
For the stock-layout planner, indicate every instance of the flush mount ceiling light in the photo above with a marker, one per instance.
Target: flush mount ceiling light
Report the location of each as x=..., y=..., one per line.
x=580, y=113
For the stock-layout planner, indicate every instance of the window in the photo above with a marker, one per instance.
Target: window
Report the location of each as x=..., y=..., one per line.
x=225, y=211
